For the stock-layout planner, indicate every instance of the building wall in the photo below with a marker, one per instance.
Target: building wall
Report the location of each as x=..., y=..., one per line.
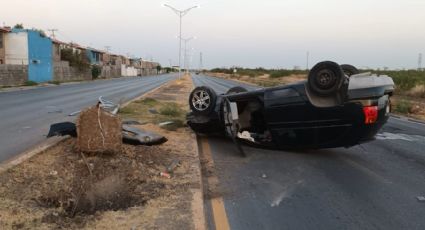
x=56, y=52
x=111, y=71
x=128, y=71
x=63, y=72
x=16, y=48
x=40, y=66
x=13, y=75
x=2, y=44
x=94, y=57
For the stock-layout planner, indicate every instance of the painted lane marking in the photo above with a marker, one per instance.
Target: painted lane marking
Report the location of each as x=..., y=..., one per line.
x=217, y=204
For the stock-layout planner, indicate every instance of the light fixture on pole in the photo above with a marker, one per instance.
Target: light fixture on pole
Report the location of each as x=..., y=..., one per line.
x=180, y=13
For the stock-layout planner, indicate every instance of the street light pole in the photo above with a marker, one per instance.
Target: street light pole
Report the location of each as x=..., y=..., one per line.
x=180, y=13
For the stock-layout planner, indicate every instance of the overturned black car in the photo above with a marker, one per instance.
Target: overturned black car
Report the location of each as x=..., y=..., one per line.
x=336, y=107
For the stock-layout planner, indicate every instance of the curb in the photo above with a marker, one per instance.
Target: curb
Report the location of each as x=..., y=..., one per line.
x=45, y=145
x=198, y=206
x=404, y=118
x=53, y=141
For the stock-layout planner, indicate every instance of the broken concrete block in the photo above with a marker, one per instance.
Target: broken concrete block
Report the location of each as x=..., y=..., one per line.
x=98, y=131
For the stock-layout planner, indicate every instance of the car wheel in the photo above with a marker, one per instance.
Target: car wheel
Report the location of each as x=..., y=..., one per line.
x=349, y=70
x=202, y=100
x=325, y=78
x=236, y=89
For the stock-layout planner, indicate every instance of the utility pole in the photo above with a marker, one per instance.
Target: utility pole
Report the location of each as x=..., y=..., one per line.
x=420, y=61
x=52, y=31
x=308, y=56
x=186, y=40
x=181, y=14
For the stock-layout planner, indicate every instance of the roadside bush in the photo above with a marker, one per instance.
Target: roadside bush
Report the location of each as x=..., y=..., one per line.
x=147, y=101
x=171, y=109
x=402, y=106
x=406, y=79
x=54, y=82
x=78, y=60
x=96, y=71
x=30, y=83
x=274, y=73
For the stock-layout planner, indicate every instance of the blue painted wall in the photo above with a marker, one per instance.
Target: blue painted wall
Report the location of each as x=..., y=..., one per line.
x=93, y=56
x=40, y=66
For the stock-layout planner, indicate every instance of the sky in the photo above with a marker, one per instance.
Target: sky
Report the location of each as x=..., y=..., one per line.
x=245, y=33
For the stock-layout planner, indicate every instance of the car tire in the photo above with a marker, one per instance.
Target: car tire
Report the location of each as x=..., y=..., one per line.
x=325, y=78
x=202, y=100
x=236, y=89
x=349, y=70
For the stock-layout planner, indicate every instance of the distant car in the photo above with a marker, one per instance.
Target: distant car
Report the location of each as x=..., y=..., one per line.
x=336, y=107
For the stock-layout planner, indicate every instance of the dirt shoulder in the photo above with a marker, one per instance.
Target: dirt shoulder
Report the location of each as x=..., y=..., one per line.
x=62, y=188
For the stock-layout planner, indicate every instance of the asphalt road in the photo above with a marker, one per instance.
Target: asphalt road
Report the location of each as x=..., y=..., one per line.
x=25, y=116
x=373, y=186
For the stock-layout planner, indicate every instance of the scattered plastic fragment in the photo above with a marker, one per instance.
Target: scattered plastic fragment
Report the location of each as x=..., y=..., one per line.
x=173, y=165
x=74, y=113
x=165, y=123
x=164, y=174
x=421, y=198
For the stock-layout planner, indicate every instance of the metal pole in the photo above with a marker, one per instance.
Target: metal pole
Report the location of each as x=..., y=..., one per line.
x=180, y=45
x=180, y=13
x=308, y=56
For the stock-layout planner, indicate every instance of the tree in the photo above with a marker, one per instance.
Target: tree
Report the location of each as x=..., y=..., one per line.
x=158, y=68
x=96, y=71
x=75, y=59
x=19, y=26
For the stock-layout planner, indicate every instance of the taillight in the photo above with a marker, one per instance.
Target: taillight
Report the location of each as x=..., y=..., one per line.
x=370, y=114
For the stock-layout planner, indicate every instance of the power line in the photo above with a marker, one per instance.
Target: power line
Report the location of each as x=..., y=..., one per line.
x=52, y=31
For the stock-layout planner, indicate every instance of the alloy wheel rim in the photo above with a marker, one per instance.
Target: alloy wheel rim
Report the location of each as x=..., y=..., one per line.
x=201, y=100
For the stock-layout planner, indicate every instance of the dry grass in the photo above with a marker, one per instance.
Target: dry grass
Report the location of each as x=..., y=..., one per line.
x=150, y=110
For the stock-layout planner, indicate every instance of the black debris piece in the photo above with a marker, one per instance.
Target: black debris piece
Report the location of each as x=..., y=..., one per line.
x=136, y=136
x=62, y=129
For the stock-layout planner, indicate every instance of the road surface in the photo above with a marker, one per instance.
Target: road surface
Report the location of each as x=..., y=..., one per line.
x=25, y=116
x=374, y=186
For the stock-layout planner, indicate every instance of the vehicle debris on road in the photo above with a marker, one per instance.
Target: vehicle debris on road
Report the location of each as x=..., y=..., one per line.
x=164, y=174
x=63, y=129
x=133, y=135
x=174, y=164
x=100, y=122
